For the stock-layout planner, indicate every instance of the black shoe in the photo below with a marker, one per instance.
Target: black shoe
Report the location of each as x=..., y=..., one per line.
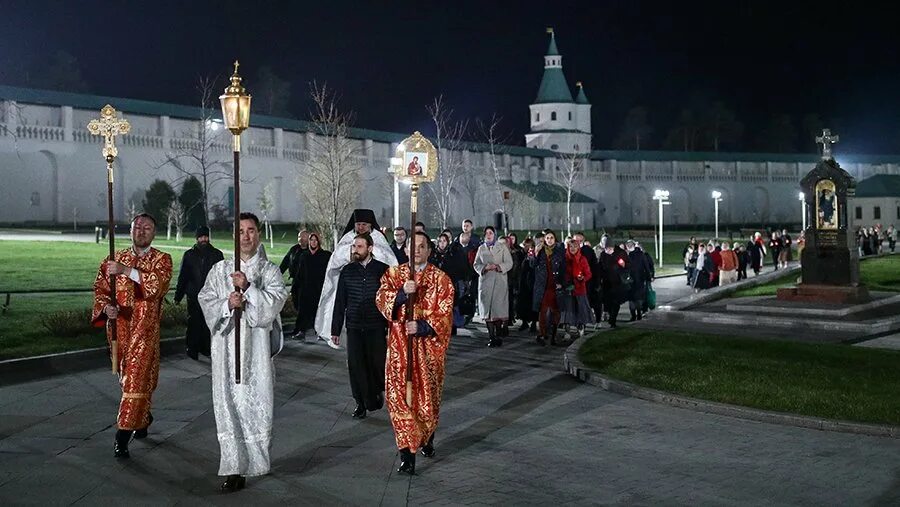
x=360, y=412
x=142, y=433
x=374, y=404
x=640, y=315
x=121, y=445
x=523, y=327
x=191, y=353
x=541, y=341
x=407, y=462
x=612, y=323
x=428, y=448
x=234, y=483
x=495, y=342
x=504, y=330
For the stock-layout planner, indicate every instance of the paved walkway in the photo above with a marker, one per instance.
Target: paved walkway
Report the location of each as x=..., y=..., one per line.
x=515, y=430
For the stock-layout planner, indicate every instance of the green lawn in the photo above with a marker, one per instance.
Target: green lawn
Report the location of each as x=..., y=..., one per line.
x=830, y=381
x=47, y=265
x=877, y=274
x=25, y=328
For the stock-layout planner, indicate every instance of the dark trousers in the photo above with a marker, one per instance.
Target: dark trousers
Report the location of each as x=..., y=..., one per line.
x=197, y=337
x=366, y=353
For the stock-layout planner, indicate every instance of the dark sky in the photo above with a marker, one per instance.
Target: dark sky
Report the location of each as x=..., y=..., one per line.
x=389, y=59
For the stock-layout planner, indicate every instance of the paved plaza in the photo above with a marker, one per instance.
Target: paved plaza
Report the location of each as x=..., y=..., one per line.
x=515, y=430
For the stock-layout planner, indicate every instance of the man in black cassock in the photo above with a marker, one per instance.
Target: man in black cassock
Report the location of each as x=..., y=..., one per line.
x=291, y=264
x=195, y=265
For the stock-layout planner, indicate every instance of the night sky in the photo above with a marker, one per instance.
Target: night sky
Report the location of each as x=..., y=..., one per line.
x=389, y=59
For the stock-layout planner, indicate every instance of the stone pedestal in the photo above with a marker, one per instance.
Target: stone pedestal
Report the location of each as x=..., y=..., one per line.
x=834, y=294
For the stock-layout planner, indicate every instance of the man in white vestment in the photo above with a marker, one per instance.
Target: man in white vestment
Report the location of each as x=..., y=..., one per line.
x=362, y=221
x=244, y=411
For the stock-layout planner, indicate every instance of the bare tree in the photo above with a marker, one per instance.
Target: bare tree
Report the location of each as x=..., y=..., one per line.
x=449, y=134
x=175, y=217
x=198, y=153
x=490, y=134
x=330, y=182
x=569, y=173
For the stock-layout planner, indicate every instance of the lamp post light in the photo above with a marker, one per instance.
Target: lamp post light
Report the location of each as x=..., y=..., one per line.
x=717, y=198
x=236, y=116
x=663, y=197
x=395, y=168
x=802, y=198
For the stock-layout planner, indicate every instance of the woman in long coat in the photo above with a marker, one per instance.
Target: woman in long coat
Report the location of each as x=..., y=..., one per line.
x=310, y=279
x=526, y=288
x=549, y=276
x=492, y=262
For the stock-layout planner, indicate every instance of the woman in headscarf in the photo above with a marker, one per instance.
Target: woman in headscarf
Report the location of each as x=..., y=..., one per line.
x=526, y=288
x=578, y=272
x=310, y=279
x=492, y=262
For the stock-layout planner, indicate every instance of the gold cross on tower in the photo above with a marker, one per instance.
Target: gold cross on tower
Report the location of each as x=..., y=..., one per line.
x=826, y=139
x=109, y=126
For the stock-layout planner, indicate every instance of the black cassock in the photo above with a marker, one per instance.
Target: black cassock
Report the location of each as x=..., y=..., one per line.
x=309, y=281
x=291, y=264
x=195, y=265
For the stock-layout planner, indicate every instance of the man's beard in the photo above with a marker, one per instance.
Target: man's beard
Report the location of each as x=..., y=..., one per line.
x=359, y=257
x=141, y=243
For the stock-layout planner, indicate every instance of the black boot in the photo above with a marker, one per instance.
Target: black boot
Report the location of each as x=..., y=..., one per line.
x=142, y=433
x=121, y=446
x=407, y=462
x=493, y=333
x=234, y=483
x=640, y=314
x=504, y=329
x=428, y=448
x=553, y=329
x=360, y=412
x=633, y=316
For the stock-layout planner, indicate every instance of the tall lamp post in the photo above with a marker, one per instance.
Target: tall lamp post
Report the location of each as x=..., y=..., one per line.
x=717, y=198
x=802, y=198
x=663, y=197
x=236, y=115
x=396, y=162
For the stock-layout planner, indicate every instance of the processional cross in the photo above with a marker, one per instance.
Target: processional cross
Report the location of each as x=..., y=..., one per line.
x=109, y=125
x=826, y=139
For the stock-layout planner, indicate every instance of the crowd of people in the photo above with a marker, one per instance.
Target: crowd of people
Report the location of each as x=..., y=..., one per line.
x=393, y=305
x=875, y=240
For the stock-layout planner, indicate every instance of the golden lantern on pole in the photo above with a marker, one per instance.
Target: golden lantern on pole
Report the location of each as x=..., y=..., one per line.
x=236, y=116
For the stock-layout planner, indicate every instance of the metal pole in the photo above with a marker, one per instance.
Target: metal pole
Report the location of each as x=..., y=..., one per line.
x=717, y=218
x=237, y=253
x=411, y=299
x=803, y=212
x=113, y=342
x=660, y=257
x=397, y=202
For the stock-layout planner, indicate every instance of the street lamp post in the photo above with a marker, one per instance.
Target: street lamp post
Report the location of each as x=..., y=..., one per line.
x=663, y=197
x=717, y=197
x=396, y=165
x=802, y=198
x=236, y=116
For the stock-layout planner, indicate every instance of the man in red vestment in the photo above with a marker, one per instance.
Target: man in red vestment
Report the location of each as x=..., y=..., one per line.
x=142, y=279
x=414, y=424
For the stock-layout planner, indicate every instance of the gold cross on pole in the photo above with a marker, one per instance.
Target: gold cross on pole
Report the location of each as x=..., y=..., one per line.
x=826, y=140
x=109, y=126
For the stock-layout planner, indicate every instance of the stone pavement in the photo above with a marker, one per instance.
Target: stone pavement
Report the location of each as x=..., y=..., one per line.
x=515, y=430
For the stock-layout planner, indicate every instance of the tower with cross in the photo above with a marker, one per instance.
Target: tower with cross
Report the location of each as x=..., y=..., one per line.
x=826, y=140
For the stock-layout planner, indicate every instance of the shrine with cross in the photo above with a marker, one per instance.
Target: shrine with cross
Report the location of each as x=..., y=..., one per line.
x=830, y=263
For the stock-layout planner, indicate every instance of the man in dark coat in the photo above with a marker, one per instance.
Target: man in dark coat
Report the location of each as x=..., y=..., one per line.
x=640, y=277
x=615, y=289
x=291, y=264
x=195, y=265
x=366, y=326
x=398, y=245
